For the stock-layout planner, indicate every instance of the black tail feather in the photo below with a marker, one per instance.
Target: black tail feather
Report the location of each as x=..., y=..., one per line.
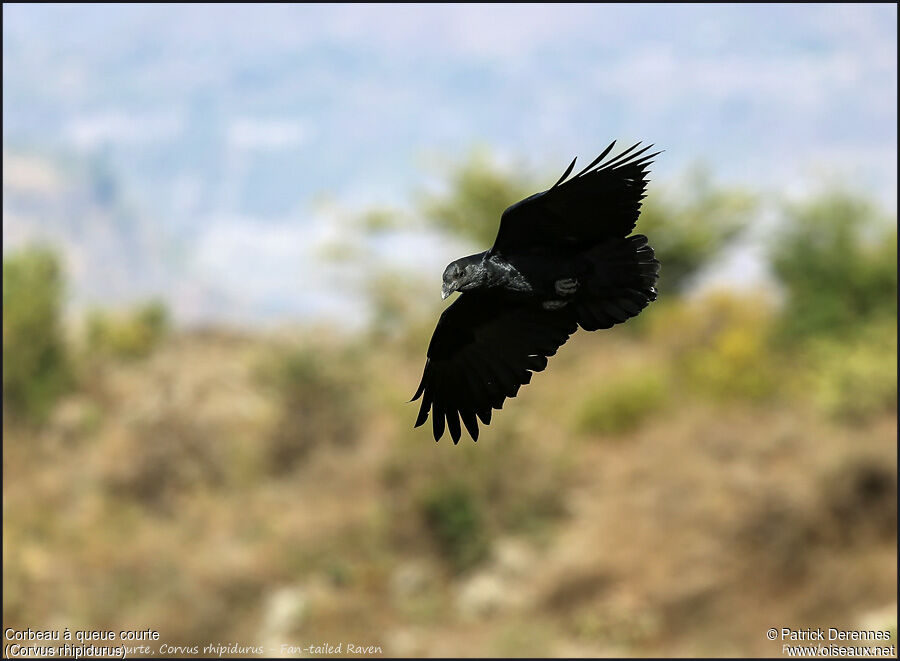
x=621, y=282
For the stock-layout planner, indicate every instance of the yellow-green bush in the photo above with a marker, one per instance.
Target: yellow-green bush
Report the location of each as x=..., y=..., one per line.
x=134, y=334
x=623, y=404
x=720, y=345
x=737, y=364
x=35, y=366
x=857, y=379
x=680, y=326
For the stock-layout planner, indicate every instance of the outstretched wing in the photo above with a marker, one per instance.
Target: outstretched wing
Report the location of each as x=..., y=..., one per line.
x=600, y=202
x=483, y=350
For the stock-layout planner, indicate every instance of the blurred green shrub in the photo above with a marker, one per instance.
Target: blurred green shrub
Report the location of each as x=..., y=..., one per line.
x=836, y=257
x=478, y=192
x=454, y=518
x=131, y=335
x=35, y=366
x=319, y=402
x=507, y=485
x=855, y=380
x=624, y=404
x=688, y=231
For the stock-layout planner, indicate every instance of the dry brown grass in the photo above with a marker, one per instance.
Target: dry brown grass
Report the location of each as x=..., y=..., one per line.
x=160, y=496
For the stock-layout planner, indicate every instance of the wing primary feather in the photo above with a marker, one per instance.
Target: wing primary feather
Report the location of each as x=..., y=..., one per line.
x=421, y=388
x=467, y=398
x=468, y=418
x=508, y=377
x=492, y=384
x=646, y=160
x=614, y=159
x=484, y=414
x=423, y=410
x=618, y=161
x=478, y=391
x=596, y=160
x=565, y=174
x=437, y=421
x=453, y=425
x=466, y=401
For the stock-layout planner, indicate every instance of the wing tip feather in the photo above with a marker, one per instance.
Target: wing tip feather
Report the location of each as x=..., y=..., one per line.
x=565, y=174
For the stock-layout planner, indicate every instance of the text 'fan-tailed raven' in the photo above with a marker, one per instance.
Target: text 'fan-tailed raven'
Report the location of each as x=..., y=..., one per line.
x=562, y=259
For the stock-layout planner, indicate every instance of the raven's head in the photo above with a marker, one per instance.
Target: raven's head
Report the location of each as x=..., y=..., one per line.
x=463, y=274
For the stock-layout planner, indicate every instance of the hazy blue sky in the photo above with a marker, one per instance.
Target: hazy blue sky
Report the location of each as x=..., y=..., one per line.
x=224, y=122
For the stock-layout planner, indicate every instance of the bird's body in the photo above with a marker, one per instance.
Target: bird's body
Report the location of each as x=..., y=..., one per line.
x=562, y=259
x=526, y=276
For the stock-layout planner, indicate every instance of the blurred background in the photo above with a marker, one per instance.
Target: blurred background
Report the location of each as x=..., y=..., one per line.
x=224, y=229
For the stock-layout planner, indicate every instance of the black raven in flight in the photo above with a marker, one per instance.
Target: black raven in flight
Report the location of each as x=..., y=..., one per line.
x=562, y=259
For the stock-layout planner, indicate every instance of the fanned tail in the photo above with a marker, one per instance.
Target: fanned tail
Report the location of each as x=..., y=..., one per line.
x=621, y=284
